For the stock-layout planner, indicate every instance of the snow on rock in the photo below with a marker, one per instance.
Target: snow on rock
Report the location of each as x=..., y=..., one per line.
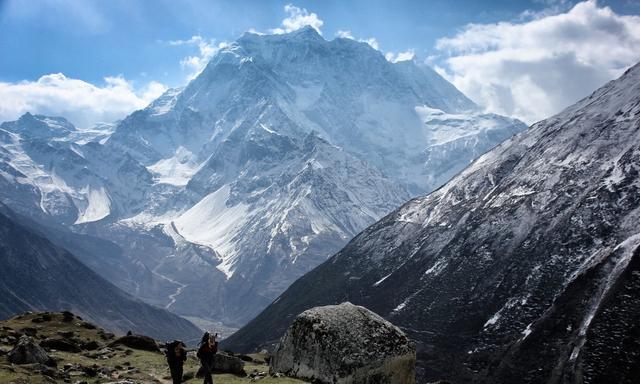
x=213, y=223
x=176, y=170
x=292, y=144
x=96, y=207
x=536, y=250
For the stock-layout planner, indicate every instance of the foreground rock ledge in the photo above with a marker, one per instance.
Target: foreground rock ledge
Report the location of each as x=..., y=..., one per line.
x=345, y=344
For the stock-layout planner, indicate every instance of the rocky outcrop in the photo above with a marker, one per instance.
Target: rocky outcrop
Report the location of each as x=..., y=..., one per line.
x=68, y=345
x=345, y=344
x=29, y=352
x=225, y=363
x=141, y=342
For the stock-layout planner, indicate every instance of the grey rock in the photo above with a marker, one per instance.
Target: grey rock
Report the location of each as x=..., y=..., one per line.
x=224, y=363
x=141, y=342
x=90, y=345
x=345, y=344
x=29, y=352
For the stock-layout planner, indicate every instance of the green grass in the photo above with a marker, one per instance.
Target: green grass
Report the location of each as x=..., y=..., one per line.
x=148, y=367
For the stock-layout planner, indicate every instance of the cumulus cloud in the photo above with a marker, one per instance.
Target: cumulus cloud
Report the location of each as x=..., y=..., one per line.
x=298, y=18
x=83, y=103
x=206, y=49
x=393, y=57
x=535, y=67
x=400, y=56
x=373, y=43
x=345, y=34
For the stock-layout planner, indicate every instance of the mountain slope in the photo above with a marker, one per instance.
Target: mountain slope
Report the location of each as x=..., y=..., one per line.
x=524, y=267
x=37, y=275
x=289, y=145
x=222, y=193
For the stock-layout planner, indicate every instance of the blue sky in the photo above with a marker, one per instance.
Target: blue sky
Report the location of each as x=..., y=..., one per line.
x=134, y=45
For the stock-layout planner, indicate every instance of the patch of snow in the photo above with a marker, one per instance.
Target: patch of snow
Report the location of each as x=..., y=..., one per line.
x=381, y=280
x=98, y=205
x=527, y=331
x=494, y=319
x=627, y=249
x=436, y=268
x=399, y=307
x=165, y=103
x=176, y=170
x=147, y=220
x=212, y=223
x=263, y=126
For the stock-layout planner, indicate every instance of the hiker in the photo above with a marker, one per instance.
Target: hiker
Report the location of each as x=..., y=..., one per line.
x=206, y=352
x=176, y=356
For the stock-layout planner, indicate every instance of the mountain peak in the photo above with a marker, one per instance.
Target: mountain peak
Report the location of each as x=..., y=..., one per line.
x=307, y=32
x=40, y=126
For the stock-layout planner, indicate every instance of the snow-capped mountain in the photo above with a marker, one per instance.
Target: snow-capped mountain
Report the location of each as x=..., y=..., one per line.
x=223, y=192
x=296, y=83
x=73, y=178
x=525, y=267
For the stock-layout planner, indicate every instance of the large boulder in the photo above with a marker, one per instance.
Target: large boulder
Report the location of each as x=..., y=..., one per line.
x=141, y=342
x=27, y=351
x=344, y=344
x=68, y=345
x=225, y=363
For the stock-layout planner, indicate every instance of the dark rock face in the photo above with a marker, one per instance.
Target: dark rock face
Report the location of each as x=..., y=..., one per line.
x=144, y=343
x=29, y=352
x=523, y=268
x=60, y=345
x=345, y=344
x=35, y=273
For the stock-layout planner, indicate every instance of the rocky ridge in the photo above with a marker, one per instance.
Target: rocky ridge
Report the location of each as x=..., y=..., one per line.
x=522, y=268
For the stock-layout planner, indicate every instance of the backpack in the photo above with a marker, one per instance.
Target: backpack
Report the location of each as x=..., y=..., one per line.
x=171, y=348
x=200, y=354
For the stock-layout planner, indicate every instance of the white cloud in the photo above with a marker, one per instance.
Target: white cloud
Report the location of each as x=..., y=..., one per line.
x=206, y=49
x=84, y=104
x=400, y=56
x=371, y=41
x=298, y=18
x=345, y=34
x=534, y=68
x=393, y=57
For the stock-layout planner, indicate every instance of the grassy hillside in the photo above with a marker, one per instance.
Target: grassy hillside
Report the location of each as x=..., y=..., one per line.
x=98, y=362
